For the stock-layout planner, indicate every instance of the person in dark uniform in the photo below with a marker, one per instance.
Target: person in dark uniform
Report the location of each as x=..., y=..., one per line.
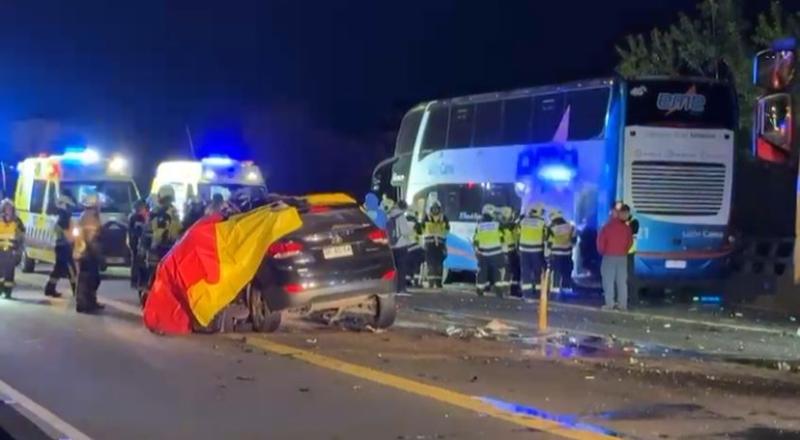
x=12, y=235
x=64, y=266
x=162, y=231
x=136, y=224
x=193, y=211
x=89, y=255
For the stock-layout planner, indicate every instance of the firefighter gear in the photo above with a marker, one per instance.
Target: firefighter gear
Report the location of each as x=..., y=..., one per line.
x=12, y=234
x=137, y=222
x=64, y=266
x=561, y=239
x=488, y=242
x=532, y=237
x=162, y=230
x=510, y=230
x=89, y=255
x=435, y=227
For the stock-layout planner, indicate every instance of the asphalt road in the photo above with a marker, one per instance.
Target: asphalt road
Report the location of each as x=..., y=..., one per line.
x=106, y=377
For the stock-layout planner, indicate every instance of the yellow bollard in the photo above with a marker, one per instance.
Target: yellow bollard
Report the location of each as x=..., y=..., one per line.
x=544, y=293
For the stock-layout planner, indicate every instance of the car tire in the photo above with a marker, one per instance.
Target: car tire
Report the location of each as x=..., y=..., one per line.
x=263, y=319
x=385, y=311
x=27, y=264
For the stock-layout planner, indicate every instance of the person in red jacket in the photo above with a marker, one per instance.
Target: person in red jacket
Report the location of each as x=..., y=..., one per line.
x=613, y=243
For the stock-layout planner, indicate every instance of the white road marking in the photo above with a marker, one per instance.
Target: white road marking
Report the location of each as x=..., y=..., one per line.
x=122, y=306
x=52, y=420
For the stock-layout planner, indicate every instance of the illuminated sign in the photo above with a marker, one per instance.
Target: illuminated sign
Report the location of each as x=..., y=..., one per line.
x=689, y=102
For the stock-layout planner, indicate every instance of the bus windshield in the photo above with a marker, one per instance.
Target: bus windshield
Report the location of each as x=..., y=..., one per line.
x=114, y=196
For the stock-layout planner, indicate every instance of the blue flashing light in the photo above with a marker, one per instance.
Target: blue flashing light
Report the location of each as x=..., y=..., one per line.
x=82, y=155
x=556, y=173
x=785, y=43
x=708, y=299
x=221, y=161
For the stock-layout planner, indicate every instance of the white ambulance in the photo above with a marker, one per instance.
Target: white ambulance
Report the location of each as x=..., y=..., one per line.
x=206, y=177
x=76, y=174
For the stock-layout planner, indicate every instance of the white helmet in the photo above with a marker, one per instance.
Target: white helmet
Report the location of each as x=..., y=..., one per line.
x=488, y=209
x=91, y=201
x=166, y=191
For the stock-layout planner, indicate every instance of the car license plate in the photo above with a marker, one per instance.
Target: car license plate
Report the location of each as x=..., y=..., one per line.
x=115, y=260
x=675, y=264
x=332, y=252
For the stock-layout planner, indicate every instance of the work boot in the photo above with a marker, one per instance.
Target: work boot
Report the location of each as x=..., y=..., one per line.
x=50, y=290
x=6, y=292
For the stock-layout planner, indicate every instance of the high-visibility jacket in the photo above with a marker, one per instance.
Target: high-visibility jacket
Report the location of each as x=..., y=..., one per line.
x=435, y=229
x=11, y=234
x=164, y=227
x=561, y=237
x=488, y=239
x=634, y=225
x=510, y=236
x=532, y=234
x=416, y=236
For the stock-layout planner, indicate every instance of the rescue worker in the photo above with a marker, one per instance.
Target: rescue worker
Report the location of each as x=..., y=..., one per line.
x=435, y=228
x=416, y=254
x=162, y=231
x=400, y=238
x=510, y=230
x=532, y=237
x=12, y=236
x=89, y=255
x=561, y=238
x=488, y=242
x=192, y=212
x=373, y=209
x=217, y=204
x=137, y=222
x=633, y=224
x=64, y=266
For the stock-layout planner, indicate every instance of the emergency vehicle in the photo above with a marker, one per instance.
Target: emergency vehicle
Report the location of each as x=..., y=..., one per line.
x=202, y=179
x=77, y=174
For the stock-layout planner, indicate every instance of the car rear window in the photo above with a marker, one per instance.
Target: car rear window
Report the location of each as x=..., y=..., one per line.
x=335, y=218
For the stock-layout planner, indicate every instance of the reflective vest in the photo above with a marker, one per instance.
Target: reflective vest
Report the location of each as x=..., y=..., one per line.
x=532, y=234
x=165, y=227
x=510, y=235
x=415, y=235
x=561, y=238
x=434, y=230
x=10, y=235
x=488, y=239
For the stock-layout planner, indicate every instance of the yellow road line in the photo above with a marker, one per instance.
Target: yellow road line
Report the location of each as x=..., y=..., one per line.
x=421, y=389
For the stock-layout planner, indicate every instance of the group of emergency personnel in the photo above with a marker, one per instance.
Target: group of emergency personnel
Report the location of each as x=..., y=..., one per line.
x=418, y=241
x=513, y=253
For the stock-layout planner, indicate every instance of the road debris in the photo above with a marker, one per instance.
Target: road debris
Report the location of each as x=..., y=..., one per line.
x=246, y=378
x=311, y=340
x=667, y=325
x=474, y=379
x=589, y=377
x=304, y=389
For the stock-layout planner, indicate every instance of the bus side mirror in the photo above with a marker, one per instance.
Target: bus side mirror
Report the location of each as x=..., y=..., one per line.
x=774, y=128
x=774, y=70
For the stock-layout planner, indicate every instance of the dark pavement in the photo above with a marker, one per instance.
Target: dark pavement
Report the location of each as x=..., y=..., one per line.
x=108, y=377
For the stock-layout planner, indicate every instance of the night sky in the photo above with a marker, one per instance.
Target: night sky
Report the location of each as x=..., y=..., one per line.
x=312, y=89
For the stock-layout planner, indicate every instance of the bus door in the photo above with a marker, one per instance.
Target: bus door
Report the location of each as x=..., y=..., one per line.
x=37, y=228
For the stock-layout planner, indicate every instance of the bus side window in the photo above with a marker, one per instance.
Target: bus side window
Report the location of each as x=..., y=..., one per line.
x=37, y=196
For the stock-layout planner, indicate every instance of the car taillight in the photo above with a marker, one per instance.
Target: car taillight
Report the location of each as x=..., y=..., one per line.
x=319, y=208
x=388, y=276
x=293, y=288
x=378, y=236
x=284, y=249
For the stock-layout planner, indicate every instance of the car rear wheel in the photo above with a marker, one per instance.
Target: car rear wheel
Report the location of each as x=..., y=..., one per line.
x=28, y=264
x=385, y=311
x=263, y=319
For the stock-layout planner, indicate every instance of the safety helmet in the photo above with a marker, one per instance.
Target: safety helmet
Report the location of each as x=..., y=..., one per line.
x=6, y=204
x=166, y=192
x=139, y=204
x=488, y=209
x=556, y=213
x=536, y=210
x=507, y=212
x=387, y=204
x=436, y=207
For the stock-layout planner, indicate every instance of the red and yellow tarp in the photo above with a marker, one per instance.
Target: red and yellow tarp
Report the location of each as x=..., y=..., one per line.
x=212, y=263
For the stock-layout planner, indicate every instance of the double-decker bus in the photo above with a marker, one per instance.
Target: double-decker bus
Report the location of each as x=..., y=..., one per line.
x=663, y=146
